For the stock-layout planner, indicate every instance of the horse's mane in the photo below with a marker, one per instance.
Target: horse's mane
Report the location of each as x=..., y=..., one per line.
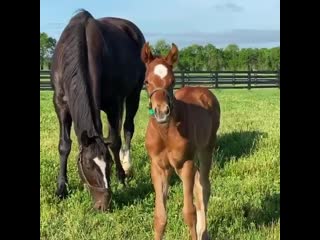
x=76, y=75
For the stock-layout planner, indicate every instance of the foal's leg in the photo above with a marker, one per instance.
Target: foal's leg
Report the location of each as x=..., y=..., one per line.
x=187, y=173
x=202, y=193
x=132, y=104
x=65, y=122
x=160, y=179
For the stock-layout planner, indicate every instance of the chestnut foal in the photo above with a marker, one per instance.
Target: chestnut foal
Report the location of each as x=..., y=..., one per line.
x=183, y=128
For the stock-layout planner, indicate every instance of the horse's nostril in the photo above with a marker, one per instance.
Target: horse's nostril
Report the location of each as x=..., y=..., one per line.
x=167, y=110
x=100, y=207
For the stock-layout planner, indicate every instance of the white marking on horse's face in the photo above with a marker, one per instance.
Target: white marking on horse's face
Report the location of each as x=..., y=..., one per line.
x=160, y=70
x=102, y=165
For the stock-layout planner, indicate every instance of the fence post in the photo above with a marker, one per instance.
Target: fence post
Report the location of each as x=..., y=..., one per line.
x=278, y=76
x=182, y=78
x=249, y=79
x=233, y=79
x=216, y=78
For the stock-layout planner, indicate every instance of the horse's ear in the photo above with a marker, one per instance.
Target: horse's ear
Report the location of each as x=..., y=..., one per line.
x=146, y=54
x=85, y=140
x=172, y=57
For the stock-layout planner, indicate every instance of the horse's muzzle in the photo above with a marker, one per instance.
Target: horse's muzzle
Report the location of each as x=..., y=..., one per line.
x=162, y=114
x=102, y=200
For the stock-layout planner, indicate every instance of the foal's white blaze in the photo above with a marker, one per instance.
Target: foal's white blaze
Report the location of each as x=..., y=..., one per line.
x=160, y=70
x=102, y=165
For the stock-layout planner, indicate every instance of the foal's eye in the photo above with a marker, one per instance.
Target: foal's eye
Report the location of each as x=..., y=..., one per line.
x=146, y=82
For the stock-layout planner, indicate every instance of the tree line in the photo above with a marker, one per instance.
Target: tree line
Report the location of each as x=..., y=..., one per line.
x=47, y=45
x=197, y=57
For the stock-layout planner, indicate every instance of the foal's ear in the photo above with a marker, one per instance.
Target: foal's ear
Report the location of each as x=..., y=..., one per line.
x=146, y=54
x=172, y=57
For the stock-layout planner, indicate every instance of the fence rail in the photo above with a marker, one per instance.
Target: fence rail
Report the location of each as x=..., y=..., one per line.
x=210, y=79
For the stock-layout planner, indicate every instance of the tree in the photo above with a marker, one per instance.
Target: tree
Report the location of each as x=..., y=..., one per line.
x=231, y=54
x=161, y=48
x=275, y=58
x=209, y=58
x=47, y=45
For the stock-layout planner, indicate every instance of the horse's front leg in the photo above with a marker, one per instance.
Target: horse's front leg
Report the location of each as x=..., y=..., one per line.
x=160, y=178
x=65, y=122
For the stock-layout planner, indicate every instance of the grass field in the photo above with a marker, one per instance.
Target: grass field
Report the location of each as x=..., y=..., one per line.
x=245, y=200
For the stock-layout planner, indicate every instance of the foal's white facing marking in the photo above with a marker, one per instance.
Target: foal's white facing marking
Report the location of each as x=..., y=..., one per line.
x=102, y=165
x=160, y=70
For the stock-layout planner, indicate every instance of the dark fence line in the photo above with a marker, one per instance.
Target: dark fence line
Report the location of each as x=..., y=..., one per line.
x=210, y=79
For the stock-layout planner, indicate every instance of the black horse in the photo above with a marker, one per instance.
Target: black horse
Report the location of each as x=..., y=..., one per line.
x=97, y=66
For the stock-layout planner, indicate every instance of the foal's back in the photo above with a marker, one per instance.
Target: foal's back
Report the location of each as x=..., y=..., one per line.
x=199, y=112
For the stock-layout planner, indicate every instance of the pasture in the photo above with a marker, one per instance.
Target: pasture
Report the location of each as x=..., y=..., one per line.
x=245, y=200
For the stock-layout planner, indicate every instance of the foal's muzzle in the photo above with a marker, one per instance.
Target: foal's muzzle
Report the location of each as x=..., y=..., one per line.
x=162, y=113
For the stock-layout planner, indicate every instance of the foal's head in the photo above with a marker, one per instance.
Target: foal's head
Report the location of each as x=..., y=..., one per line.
x=159, y=81
x=94, y=169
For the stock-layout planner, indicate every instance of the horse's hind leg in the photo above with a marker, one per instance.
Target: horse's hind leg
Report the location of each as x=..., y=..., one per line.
x=187, y=175
x=202, y=192
x=65, y=122
x=132, y=104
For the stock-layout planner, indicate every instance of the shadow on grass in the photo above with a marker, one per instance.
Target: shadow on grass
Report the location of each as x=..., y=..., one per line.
x=236, y=144
x=133, y=193
x=252, y=217
x=266, y=215
x=137, y=189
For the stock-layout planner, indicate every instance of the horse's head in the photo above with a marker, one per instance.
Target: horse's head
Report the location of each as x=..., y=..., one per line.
x=94, y=169
x=159, y=81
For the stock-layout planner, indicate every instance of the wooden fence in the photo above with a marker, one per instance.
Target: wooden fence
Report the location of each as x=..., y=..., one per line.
x=213, y=79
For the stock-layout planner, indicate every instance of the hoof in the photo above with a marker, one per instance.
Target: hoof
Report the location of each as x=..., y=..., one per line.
x=62, y=191
x=121, y=175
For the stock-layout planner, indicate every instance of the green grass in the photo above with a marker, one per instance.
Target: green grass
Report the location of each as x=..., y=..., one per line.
x=245, y=200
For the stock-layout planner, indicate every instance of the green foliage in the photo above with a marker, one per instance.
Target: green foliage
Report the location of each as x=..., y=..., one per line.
x=245, y=190
x=161, y=48
x=47, y=45
x=198, y=58
x=208, y=58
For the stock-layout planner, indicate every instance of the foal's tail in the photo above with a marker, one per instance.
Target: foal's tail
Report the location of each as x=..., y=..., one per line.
x=77, y=77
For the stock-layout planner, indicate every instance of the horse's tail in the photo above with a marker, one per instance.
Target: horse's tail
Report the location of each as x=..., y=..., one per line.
x=76, y=74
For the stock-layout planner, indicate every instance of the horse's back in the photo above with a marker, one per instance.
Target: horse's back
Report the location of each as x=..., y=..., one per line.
x=126, y=26
x=122, y=64
x=123, y=40
x=199, y=96
x=201, y=110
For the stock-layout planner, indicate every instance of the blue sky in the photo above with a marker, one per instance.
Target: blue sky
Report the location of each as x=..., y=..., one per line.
x=248, y=23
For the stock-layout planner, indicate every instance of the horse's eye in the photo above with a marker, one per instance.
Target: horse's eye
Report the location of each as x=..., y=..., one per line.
x=146, y=82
